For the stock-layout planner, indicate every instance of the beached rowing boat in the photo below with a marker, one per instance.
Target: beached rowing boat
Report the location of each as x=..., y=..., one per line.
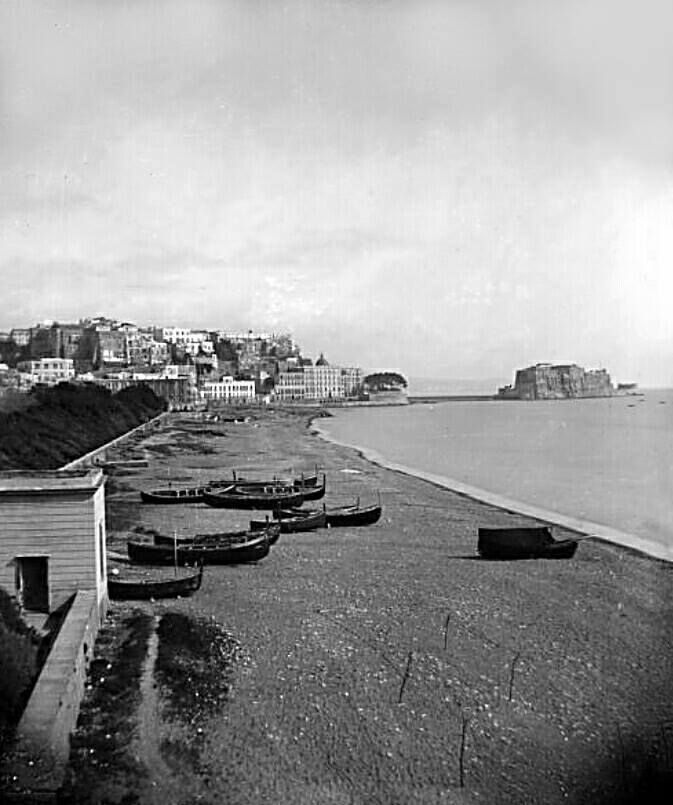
x=144, y=589
x=218, y=554
x=293, y=520
x=523, y=543
x=193, y=494
x=353, y=515
x=221, y=537
x=235, y=497
x=312, y=491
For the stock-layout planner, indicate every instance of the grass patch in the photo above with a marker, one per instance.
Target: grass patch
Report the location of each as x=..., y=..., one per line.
x=102, y=767
x=194, y=670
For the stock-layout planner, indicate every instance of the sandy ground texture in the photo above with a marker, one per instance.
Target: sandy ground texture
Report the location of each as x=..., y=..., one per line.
x=388, y=664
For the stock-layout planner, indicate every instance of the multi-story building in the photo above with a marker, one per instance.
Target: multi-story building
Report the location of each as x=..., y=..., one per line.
x=191, y=342
x=323, y=382
x=352, y=378
x=20, y=336
x=290, y=385
x=49, y=371
x=228, y=390
x=111, y=349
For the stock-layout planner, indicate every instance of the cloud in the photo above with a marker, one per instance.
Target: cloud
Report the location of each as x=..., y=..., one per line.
x=446, y=185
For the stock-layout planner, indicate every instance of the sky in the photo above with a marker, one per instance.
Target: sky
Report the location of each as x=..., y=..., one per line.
x=451, y=189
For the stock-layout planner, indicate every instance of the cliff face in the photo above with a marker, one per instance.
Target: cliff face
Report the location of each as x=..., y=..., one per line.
x=546, y=382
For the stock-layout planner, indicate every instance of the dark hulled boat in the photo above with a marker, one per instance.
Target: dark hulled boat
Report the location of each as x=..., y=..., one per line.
x=269, y=497
x=353, y=515
x=217, y=554
x=144, y=589
x=312, y=491
x=523, y=543
x=292, y=521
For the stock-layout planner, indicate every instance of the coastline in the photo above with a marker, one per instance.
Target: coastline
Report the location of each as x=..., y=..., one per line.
x=366, y=651
x=586, y=528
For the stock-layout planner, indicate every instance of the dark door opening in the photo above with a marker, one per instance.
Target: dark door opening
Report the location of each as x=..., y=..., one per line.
x=32, y=582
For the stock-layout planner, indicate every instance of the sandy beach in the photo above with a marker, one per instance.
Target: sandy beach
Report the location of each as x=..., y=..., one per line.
x=388, y=664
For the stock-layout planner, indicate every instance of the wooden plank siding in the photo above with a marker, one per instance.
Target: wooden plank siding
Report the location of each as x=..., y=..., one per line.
x=65, y=528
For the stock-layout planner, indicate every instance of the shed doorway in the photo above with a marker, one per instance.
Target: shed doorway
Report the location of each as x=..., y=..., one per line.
x=32, y=583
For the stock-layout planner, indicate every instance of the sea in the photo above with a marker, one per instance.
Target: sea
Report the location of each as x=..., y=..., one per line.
x=600, y=466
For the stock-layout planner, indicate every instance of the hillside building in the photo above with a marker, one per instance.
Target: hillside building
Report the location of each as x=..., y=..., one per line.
x=48, y=371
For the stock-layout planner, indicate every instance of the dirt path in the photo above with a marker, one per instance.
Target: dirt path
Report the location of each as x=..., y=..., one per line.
x=161, y=786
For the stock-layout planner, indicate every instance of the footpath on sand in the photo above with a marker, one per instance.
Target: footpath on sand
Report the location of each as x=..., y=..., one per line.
x=389, y=664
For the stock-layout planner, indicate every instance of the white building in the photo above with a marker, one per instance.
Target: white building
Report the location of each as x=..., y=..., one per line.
x=228, y=390
x=290, y=386
x=49, y=371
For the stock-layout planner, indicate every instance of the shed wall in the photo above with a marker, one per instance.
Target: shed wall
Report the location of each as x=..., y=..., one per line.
x=62, y=527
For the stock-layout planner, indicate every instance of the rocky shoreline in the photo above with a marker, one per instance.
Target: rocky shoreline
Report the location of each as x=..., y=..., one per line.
x=388, y=664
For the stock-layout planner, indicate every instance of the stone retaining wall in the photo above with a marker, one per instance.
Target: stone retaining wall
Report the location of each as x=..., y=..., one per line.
x=100, y=452
x=34, y=768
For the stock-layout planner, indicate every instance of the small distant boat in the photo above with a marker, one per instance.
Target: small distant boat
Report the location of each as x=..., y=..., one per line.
x=353, y=515
x=184, y=554
x=523, y=543
x=144, y=589
x=121, y=464
x=269, y=497
x=291, y=521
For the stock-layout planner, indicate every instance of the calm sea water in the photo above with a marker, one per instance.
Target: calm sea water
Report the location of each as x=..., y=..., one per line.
x=609, y=461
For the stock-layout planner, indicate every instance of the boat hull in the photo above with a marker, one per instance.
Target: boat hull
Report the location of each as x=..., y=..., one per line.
x=239, y=553
x=222, y=538
x=294, y=523
x=126, y=590
x=235, y=498
x=173, y=496
x=352, y=516
x=523, y=543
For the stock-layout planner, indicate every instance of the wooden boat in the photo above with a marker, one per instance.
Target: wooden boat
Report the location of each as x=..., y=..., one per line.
x=299, y=481
x=221, y=537
x=270, y=497
x=144, y=589
x=192, y=494
x=294, y=520
x=217, y=554
x=313, y=492
x=523, y=543
x=121, y=463
x=353, y=515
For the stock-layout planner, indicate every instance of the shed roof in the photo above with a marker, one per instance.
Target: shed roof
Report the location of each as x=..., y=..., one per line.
x=14, y=482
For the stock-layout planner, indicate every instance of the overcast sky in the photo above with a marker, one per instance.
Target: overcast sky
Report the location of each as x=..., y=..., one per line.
x=452, y=188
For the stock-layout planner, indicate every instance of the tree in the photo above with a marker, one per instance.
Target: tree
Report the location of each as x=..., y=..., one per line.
x=385, y=381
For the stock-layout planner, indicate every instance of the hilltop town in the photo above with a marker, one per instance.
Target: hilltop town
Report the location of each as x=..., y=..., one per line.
x=185, y=366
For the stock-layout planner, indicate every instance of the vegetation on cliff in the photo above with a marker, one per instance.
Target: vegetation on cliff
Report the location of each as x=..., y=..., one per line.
x=67, y=421
x=385, y=381
x=18, y=664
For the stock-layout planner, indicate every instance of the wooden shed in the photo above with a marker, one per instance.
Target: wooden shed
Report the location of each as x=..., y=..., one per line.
x=52, y=536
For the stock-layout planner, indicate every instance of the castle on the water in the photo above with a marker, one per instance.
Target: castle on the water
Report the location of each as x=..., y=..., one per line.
x=545, y=381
